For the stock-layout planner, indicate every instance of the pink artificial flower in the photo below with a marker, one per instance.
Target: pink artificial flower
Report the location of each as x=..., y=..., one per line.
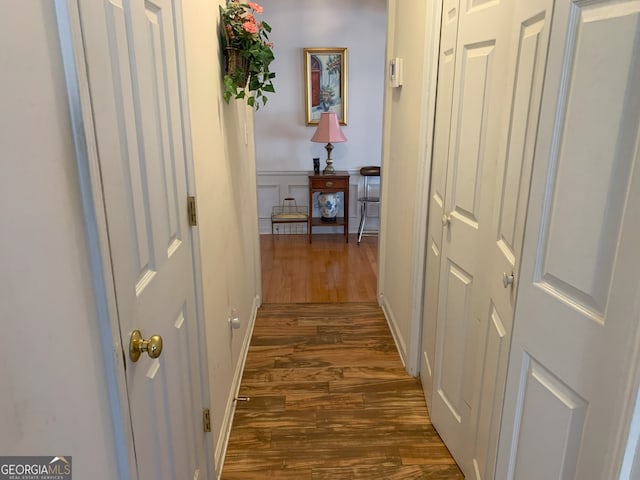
x=250, y=27
x=255, y=6
x=249, y=18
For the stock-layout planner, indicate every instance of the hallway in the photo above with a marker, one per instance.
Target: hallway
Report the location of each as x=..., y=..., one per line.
x=328, y=395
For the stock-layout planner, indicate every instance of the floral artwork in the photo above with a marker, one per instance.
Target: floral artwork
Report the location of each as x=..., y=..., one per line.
x=325, y=83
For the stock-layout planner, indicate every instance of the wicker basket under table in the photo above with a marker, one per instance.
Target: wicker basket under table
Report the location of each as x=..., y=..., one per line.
x=289, y=212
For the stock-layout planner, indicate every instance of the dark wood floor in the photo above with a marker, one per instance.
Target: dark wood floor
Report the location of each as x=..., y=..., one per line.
x=330, y=399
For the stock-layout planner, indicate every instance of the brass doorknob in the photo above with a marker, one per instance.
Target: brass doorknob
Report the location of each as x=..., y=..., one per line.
x=137, y=345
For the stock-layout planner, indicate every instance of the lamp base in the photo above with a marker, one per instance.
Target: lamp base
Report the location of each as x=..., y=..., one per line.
x=329, y=170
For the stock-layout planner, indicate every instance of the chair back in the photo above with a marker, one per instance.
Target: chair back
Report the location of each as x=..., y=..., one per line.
x=366, y=173
x=370, y=171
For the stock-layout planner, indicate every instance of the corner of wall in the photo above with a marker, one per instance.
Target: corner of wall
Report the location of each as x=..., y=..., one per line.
x=393, y=326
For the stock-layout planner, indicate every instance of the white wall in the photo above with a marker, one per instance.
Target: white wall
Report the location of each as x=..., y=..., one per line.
x=282, y=138
x=54, y=399
x=405, y=178
x=227, y=212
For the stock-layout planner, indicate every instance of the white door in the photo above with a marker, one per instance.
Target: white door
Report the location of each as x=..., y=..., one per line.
x=479, y=84
x=575, y=337
x=528, y=53
x=446, y=70
x=130, y=49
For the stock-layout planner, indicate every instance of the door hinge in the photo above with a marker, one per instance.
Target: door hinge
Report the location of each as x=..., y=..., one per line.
x=191, y=211
x=206, y=420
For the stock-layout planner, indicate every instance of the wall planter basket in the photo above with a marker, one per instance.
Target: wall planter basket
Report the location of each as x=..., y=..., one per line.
x=248, y=53
x=236, y=66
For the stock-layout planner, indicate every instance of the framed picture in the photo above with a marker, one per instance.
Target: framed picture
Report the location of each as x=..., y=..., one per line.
x=325, y=83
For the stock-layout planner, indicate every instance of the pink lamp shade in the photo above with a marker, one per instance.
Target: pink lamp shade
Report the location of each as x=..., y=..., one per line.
x=328, y=131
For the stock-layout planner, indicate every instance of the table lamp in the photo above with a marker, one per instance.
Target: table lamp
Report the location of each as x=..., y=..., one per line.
x=328, y=131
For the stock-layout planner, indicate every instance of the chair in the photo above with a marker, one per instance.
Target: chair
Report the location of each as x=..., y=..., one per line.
x=367, y=173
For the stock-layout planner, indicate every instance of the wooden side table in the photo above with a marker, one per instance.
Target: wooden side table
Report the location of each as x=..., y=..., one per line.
x=329, y=184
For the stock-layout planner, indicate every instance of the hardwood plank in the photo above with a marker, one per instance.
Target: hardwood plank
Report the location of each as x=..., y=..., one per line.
x=369, y=418
x=265, y=402
x=317, y=374
x=272, y=474
x=331, y=401
x=307, y=401
x=295, y=340
x=250, y=438
x=426, y=454
x=291, y=325
x=369, y=436
x=250, y=418
x=253, y=389
x=375, y=373
x=432, y=472
x=260, y=357
x=327, y=311
x=301, y=459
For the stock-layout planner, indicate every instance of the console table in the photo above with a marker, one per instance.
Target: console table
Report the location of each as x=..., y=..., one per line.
x=329, y=184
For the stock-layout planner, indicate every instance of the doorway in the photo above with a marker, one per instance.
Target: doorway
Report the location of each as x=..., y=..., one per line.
x=123, y=68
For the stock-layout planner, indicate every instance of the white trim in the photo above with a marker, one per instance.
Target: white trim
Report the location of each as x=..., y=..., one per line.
x=386, y=129
x=76, y=79
x=227, y=421
x=203, y=357
x=626, y=449
x=304, y=173
x=395, y=333
x=427, y=120
x=631, y=455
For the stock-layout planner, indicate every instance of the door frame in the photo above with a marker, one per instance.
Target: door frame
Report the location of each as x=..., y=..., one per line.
x=431, y=54
x=93, y=206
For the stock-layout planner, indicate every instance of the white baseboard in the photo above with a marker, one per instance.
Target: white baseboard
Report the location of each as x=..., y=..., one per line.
x=227, y=423
x=393, y=326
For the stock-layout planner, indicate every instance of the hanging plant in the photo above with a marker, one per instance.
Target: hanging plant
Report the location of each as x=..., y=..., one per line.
x=248, y=53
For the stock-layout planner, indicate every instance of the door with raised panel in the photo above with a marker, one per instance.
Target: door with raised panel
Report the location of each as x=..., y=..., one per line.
x=130, y=51
x=478, y=102
x=446, y=70
x=570, y=388
x=528, y=44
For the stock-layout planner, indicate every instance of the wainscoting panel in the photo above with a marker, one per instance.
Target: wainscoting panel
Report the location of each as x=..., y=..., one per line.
x=274, y=187
x=268, y=195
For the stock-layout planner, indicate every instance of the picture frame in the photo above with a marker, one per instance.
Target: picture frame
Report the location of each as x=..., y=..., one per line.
x=325, y=83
